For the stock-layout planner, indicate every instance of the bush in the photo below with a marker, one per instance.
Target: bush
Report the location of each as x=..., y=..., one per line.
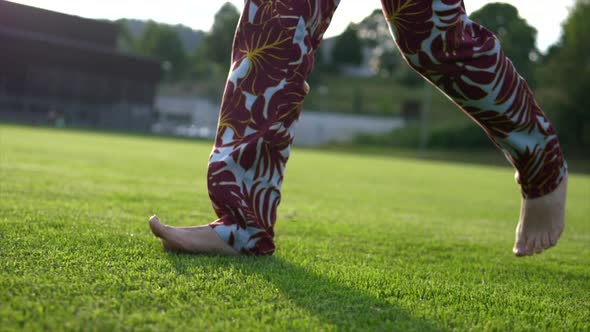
x=463, y=136
x=467, y=136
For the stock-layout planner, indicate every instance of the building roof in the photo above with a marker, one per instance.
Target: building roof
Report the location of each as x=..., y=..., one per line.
x=39, y=36
x=42, y=21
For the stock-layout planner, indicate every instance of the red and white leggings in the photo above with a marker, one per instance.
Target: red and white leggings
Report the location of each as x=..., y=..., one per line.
x=273, y=52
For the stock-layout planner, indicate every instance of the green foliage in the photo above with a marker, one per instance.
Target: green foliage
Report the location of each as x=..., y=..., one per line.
x=210, y=61
x=381, y=244
x=567, y=77
x=348, y=49
x=204, y=70
x=517, y=37
x=408, y=77
x=373, y=30
x=162, y=42
x=370, y=96
x=184, y=54
x=462, y=136
x=125, y=40
x=388, y=62
x=218, y=43
x=375, y=35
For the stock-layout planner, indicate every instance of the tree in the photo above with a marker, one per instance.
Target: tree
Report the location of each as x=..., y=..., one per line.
x=125, y=41
x=348, y=49
x=567, y=74
x=373, y=31
x=218, y=43
x=386, y=62
x=375, y=35
x=516, y=35
x=162, y=42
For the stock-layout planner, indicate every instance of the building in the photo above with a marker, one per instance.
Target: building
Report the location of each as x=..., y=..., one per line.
x=58, y=67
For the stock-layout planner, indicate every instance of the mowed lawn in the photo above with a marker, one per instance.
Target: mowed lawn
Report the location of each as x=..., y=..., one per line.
x=365, y=243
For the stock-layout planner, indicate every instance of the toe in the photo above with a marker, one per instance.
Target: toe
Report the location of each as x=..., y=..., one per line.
x=545, y=242
x=520, y=247
x=537, y=246
x=524, y=245
x=156, y=226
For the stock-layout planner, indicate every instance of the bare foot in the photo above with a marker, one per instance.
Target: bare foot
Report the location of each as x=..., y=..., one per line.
x=541, y=222
x=197, y=239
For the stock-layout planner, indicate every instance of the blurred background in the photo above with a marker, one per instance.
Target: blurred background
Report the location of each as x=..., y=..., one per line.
x=160, y=68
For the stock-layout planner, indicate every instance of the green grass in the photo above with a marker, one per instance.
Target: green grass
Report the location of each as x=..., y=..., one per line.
x=365, y=242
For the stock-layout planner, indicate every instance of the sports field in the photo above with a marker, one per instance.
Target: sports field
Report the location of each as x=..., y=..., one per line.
x=364, y=243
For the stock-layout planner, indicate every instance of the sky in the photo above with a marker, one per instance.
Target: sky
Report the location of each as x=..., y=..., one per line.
x=545, y=15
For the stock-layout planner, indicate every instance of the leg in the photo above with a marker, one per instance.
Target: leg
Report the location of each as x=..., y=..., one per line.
x=273, y=52
x=465, y=61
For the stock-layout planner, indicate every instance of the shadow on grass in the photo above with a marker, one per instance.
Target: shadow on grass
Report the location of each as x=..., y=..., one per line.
x=343, y=306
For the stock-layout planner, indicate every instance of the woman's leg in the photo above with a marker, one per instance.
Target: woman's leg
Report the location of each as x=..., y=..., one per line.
x=273, y=52
x=466, y=62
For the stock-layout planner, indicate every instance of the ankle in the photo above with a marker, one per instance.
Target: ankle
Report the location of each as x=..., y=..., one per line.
x=544, y=182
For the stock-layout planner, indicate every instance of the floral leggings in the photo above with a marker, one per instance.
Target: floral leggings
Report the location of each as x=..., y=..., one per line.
x=273, y=52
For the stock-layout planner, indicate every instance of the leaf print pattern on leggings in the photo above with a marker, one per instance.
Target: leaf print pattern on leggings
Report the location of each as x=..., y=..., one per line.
x=465, y=61
x=273, y=53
